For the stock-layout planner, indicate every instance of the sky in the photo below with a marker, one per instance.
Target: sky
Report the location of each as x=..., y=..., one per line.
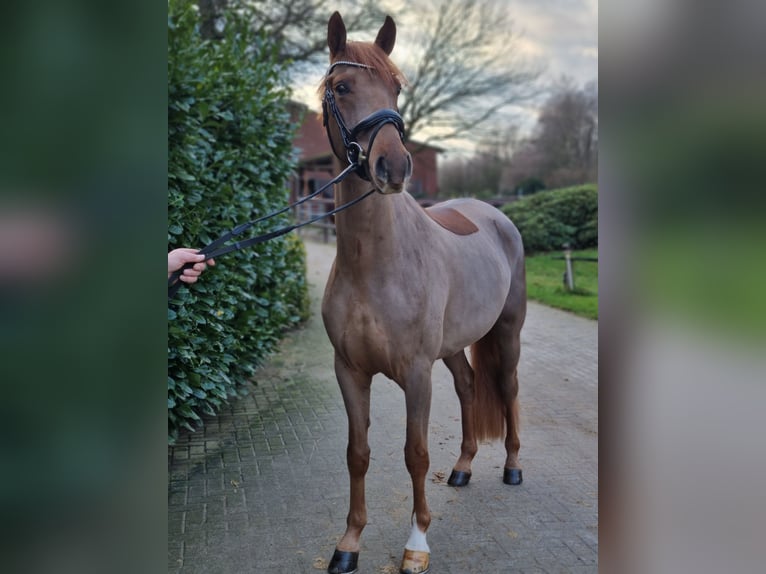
x=559, y=35
x=562, y=33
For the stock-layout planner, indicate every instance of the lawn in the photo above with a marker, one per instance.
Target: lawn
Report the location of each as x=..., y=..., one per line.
x=545, y=282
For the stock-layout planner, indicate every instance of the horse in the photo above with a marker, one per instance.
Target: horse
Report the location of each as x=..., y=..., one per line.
x=410, y=286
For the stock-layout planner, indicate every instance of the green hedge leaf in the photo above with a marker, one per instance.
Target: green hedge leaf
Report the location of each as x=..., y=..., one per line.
x=550, y=218
x=229, y=157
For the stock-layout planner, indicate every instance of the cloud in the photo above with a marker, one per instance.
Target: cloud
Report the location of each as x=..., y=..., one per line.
x=563, y=33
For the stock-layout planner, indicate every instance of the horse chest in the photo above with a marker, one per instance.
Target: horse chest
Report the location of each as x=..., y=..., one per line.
x=376, y=329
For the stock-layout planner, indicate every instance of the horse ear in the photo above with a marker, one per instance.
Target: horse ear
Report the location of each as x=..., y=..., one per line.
x=336, y=34
x=387, y=36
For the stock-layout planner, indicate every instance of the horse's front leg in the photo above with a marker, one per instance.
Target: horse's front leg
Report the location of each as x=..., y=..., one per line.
x=355, y=388
x=417, y=389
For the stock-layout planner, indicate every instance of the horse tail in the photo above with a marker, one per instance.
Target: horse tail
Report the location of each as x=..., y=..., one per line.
x=489, y=409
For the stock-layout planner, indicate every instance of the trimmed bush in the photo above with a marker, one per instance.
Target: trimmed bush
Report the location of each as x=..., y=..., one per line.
x=549, y=219
x=229, y=155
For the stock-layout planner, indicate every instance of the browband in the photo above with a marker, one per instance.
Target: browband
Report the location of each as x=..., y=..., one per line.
x=347, y=63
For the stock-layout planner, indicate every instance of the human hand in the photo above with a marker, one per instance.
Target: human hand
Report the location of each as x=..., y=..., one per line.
x=180, y=257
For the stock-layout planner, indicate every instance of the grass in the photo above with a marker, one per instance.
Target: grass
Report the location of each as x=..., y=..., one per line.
x=545, y=282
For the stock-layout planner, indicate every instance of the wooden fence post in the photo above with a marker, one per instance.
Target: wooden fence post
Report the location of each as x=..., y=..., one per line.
x=569, y=273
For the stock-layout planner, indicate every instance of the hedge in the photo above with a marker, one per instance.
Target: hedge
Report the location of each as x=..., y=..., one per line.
x=551, y=218
x=229, y=155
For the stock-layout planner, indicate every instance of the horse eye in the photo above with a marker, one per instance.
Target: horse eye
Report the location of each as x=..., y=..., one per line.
x=341, y=89
x=398, y=90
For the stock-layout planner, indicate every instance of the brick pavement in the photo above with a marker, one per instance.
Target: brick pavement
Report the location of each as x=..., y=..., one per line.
x=263, y=487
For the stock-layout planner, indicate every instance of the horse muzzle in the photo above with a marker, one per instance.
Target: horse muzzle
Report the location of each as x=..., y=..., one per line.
x=391, y=171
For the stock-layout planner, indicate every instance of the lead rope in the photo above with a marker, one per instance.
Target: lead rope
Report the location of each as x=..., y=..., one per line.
x=174, y=284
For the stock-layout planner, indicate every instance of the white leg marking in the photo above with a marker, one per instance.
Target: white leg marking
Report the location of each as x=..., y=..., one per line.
x=417, y=539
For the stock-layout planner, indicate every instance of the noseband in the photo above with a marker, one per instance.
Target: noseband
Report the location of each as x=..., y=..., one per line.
x=355, y=154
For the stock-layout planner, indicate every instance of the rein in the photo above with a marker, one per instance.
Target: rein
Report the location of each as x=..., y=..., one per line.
x=357, y=163
x=217, y=247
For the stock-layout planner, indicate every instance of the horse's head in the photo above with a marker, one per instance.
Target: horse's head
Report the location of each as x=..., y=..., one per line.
x=359, y=102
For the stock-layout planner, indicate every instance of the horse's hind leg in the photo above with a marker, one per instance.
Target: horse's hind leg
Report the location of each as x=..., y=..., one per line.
x=508, y=329
x=510, y=389
x=463, y=377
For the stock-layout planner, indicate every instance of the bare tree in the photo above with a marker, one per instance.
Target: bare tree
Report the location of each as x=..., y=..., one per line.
x=299, y=27
x=466, y=68
x=564, y=147
x=566, y=130
x=455, y=178
x=562, y=150
x=480, y=175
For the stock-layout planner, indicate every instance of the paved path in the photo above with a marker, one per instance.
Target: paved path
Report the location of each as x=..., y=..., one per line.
x=263, y=487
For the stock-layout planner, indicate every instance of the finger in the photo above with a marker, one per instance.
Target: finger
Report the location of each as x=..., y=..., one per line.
x=188, y=278
x=190, y=257
x=185, y=251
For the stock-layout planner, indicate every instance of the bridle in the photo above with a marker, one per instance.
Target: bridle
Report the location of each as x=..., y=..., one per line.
x=355, y=153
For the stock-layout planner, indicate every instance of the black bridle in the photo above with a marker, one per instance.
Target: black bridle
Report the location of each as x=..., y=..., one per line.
x=373, y=123
x=357, y=160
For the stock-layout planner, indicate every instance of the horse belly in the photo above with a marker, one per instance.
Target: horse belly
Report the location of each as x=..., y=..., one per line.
x=477, y=297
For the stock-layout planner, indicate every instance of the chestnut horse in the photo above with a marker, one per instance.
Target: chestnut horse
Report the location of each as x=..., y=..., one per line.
x=410, y=286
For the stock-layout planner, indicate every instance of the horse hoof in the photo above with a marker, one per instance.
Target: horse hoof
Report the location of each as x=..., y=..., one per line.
x=512, y=476
x=459, y=478
x=343, y=562
x=415, y=562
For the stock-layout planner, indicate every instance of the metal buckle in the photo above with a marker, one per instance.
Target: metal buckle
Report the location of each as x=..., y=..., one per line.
x=355, y=153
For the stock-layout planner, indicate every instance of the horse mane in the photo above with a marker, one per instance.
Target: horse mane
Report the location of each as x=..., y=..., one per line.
x=371, y=55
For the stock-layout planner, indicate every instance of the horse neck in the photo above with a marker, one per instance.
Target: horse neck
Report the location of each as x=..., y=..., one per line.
x=365, y=232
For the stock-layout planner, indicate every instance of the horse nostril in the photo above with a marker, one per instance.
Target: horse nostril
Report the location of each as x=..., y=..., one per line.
x=381, y=169
x=409, y=165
